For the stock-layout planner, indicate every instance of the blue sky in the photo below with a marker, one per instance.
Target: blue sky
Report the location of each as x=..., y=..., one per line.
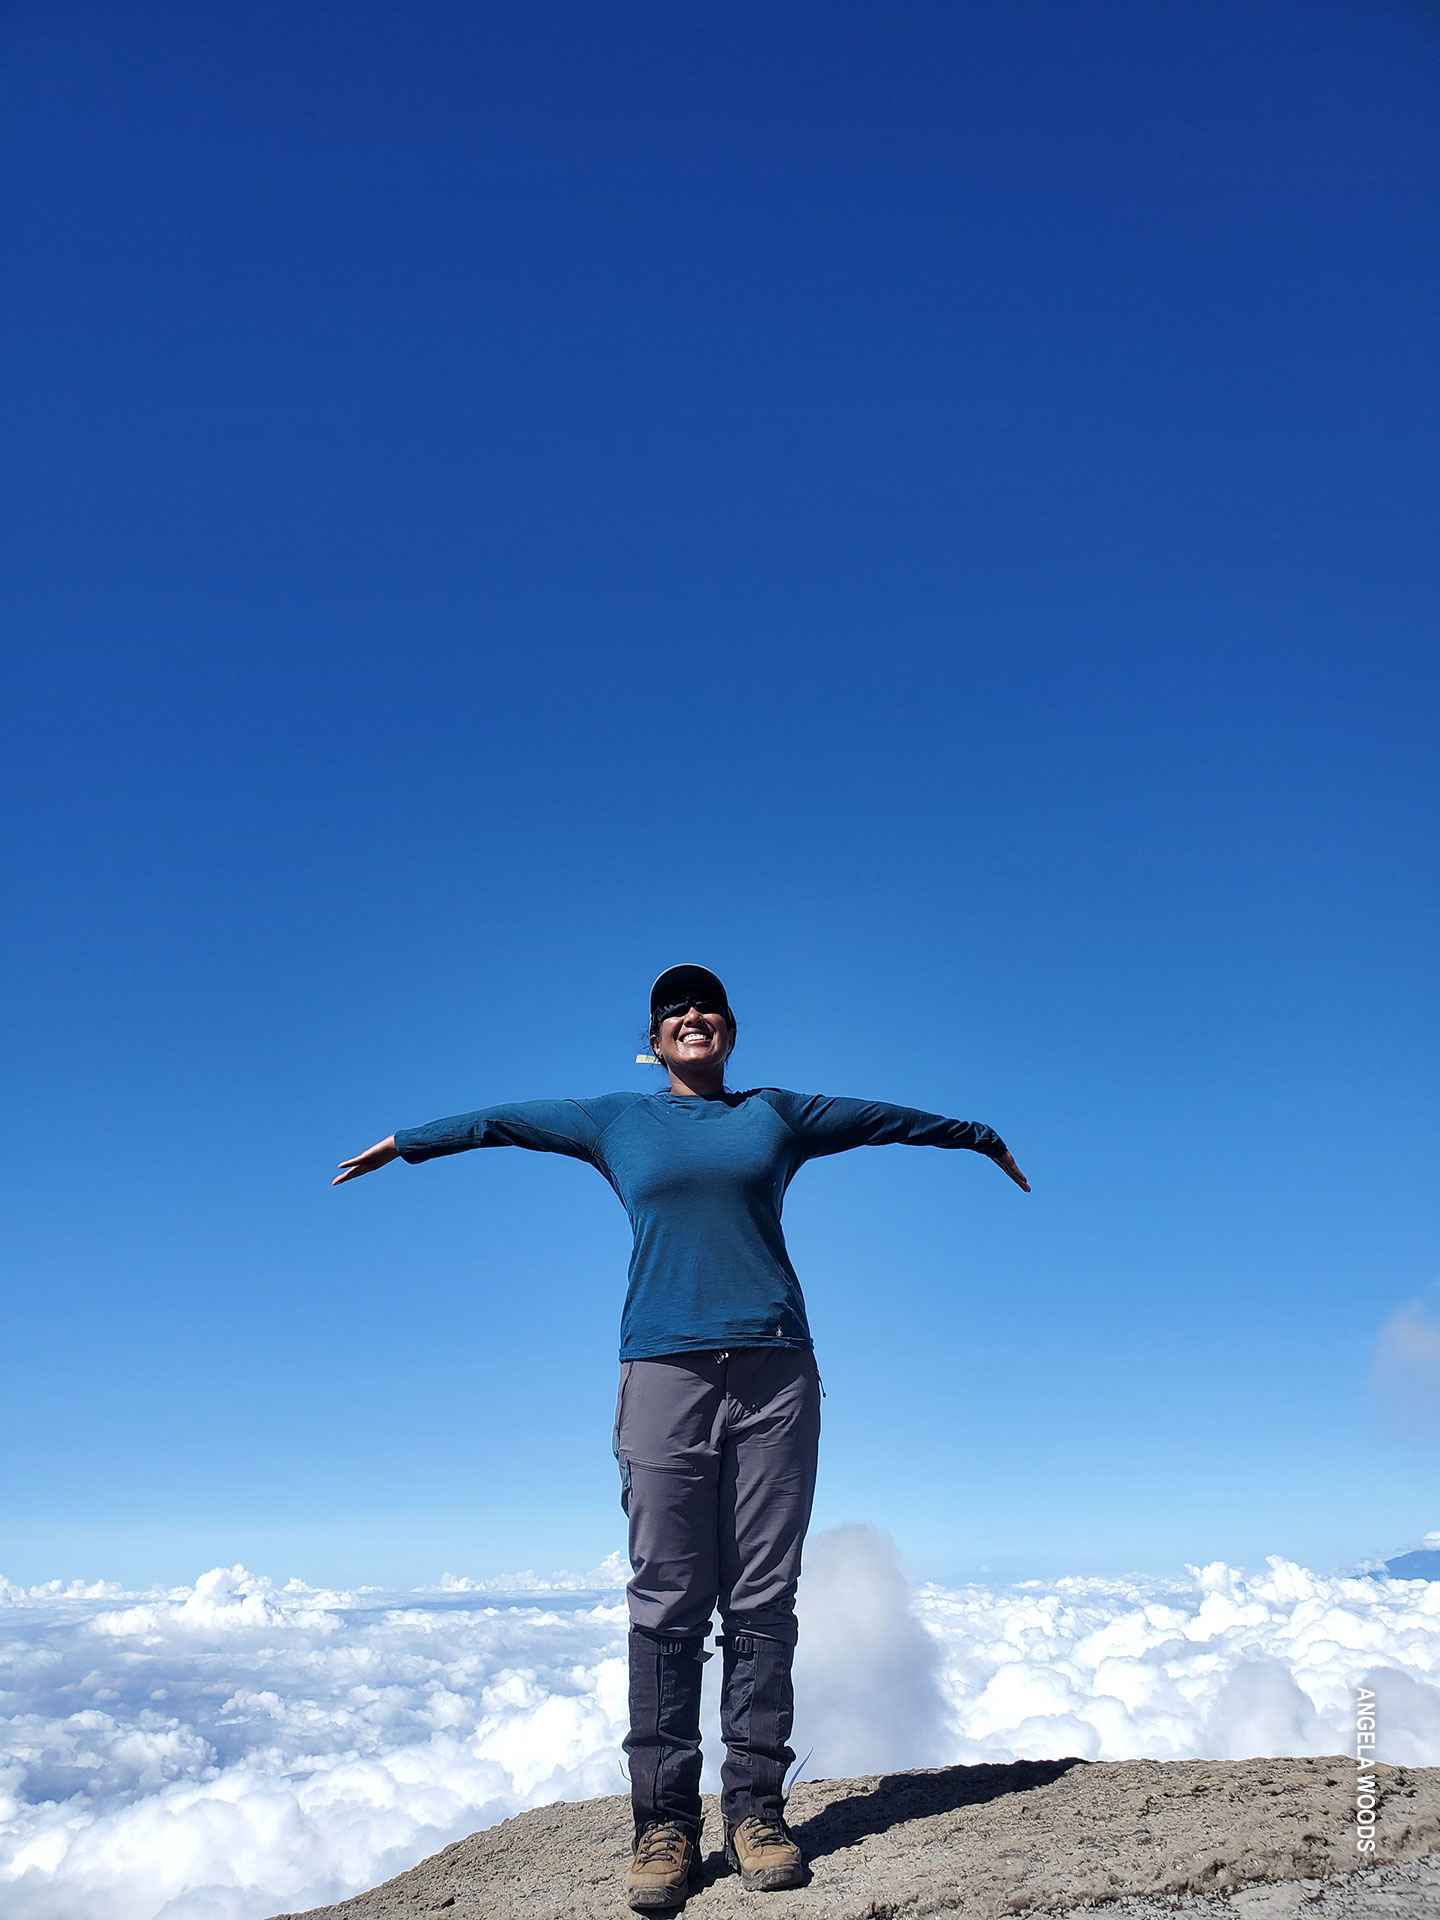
x=929, y=511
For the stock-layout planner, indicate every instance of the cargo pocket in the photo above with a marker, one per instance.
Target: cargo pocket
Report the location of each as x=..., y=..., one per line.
x=623, y=1460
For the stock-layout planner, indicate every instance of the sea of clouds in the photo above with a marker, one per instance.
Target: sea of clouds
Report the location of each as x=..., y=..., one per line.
x=233, y=1749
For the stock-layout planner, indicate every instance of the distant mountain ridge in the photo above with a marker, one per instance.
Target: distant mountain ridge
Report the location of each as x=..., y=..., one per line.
x=1421, y=1563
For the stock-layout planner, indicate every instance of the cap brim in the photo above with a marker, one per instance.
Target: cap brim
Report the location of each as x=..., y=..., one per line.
x=687, y=982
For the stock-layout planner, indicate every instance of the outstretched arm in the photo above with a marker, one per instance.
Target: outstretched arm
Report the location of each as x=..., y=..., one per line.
x=823, y=1125
x=380, y=1155
x=570, y=1127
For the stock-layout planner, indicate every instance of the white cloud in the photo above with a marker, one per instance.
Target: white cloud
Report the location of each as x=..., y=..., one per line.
x=1225, y=1665
x=868, y=1693
x=1406, y=1370
x=233, y=1748
x=613, y=1571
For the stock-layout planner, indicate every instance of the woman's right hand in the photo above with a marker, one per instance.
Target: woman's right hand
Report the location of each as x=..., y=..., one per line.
x=380, y=1155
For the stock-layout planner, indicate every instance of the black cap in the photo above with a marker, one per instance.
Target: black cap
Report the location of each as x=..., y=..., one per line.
x=688, y=983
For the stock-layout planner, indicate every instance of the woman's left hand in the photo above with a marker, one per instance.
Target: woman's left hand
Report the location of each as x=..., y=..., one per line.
x=1006, y=1164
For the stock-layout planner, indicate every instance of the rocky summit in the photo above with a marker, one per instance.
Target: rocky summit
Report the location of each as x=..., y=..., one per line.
x=1266, y=1839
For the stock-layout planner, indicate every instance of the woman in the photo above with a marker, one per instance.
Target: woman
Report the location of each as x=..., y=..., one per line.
x=718, y=1415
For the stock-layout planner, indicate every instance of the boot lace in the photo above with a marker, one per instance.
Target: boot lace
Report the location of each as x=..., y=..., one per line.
x=662, y=1843
x=760, y=1832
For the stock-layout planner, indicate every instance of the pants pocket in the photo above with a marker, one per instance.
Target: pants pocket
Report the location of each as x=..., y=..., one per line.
x=619, y=1409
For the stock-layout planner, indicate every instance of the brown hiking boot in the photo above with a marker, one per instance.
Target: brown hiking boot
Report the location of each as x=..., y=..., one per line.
x=659, y=1874
x=764, y=1855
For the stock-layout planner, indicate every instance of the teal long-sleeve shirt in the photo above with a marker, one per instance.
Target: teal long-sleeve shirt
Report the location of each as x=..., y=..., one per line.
x=703, y=1182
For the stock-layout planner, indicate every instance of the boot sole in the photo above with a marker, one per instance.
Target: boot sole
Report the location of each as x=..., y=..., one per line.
x=657, y=1899
x=767, y=1879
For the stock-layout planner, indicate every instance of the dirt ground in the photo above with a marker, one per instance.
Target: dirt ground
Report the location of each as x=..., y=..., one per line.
x=1263, y=1839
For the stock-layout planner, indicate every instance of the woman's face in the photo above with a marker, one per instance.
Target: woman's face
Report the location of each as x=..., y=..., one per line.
x=693, y=1038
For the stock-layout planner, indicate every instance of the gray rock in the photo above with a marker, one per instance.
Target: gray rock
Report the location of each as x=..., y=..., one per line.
x=1262, y=1839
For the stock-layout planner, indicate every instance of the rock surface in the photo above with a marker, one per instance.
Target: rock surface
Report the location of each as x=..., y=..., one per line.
x=1266, y=1839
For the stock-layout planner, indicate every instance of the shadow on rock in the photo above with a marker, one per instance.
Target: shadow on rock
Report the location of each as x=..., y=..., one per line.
x=898, y=1797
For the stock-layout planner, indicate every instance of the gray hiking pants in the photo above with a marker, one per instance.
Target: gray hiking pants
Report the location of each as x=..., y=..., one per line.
x=717, y=1476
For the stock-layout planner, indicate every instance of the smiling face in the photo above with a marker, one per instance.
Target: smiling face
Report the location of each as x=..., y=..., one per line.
x=696, y=1036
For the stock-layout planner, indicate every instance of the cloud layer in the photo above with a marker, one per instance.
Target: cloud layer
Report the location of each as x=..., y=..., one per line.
x=227, y=1750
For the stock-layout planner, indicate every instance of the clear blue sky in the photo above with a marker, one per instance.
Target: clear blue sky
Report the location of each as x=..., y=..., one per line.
x=929, y=510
